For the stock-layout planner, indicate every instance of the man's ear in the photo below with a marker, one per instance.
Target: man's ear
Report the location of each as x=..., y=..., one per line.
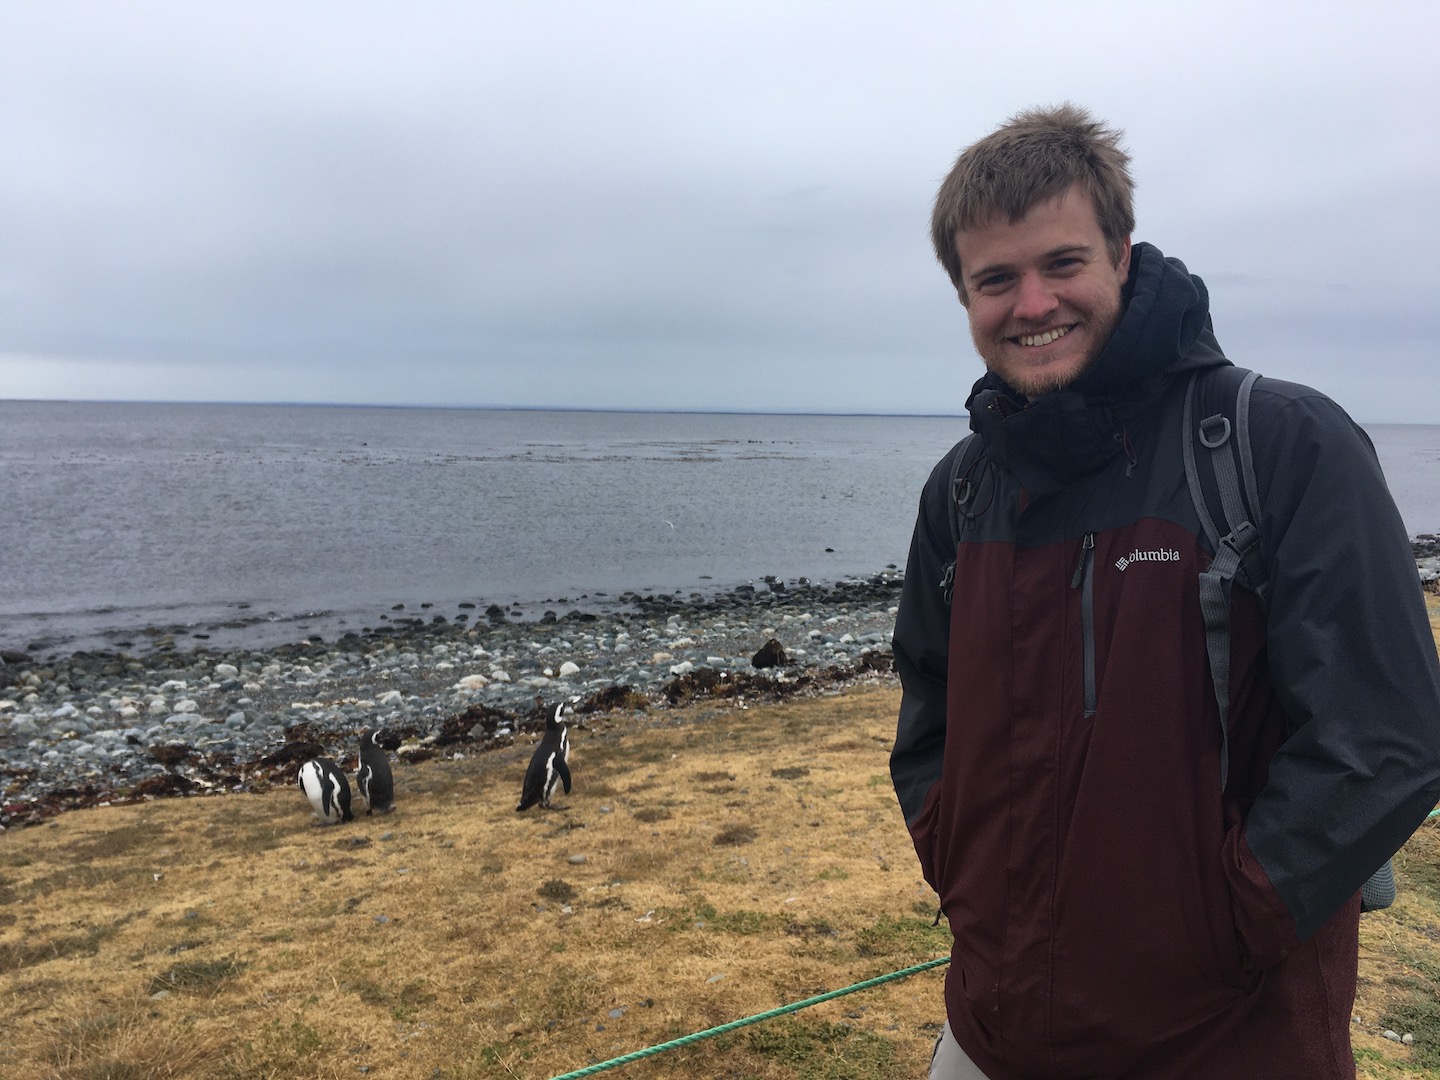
x=1124, y=259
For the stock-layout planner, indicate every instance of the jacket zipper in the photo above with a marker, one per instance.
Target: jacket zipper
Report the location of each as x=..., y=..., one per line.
x=1084, y=580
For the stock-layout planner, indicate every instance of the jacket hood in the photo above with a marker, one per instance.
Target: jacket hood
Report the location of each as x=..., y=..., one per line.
x=1164, y=330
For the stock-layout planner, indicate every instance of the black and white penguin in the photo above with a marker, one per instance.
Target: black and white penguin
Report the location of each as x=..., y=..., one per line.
x=373, y=777
x=328, y=791
x=550, y=764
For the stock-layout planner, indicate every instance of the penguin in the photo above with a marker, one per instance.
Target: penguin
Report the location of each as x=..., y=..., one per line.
x=373, y=777
x=550, y=764
x=327, y=789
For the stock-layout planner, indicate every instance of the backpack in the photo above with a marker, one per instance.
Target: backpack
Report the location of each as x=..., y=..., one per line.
x=1220, y=444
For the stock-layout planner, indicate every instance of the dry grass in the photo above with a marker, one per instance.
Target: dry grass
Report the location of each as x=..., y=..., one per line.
x=711, y=864
x=681, y=886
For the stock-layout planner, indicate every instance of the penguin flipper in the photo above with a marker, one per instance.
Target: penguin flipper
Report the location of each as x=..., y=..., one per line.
x=345, y=812
x=564, y=770
x=529, y=794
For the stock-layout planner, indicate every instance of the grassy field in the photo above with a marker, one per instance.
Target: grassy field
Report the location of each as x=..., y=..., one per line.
x=712, y=863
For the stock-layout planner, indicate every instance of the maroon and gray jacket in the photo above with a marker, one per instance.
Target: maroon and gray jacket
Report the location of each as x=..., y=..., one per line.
x=1058, y=751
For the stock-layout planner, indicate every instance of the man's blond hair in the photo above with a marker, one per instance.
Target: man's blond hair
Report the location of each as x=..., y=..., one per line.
x=1035, y=156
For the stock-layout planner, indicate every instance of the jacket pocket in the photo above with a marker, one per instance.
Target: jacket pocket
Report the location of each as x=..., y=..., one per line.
x=1264, y=927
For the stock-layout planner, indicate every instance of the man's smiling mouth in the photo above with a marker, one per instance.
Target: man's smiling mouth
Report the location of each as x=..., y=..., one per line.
x=1033, y=340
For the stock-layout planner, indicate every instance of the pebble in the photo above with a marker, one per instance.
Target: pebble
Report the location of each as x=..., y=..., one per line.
x=109, y=726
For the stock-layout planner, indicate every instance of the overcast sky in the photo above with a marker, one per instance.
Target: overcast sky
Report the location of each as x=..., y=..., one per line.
x=676, y=205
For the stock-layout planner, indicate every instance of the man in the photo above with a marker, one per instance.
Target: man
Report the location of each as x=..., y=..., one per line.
x=1058, y=757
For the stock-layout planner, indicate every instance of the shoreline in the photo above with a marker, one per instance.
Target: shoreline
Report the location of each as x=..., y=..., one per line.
x=238, y=626
x=107, y=728
x=249, y=626
x=111, y=727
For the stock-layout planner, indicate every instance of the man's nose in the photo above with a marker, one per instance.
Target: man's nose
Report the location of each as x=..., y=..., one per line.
x=1035, y=298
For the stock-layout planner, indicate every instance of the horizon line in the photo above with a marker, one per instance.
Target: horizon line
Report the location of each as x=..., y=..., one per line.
x=715, y=411
x=696, y=410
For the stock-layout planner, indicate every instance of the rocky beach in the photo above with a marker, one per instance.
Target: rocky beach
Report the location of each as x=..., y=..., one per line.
x=103, y=728
x=100, y=728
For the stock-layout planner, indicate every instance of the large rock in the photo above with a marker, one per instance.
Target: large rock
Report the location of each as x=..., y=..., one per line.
x=771, y=654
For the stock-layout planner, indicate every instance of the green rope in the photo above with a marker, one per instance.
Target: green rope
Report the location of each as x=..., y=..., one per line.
x=688, y=1039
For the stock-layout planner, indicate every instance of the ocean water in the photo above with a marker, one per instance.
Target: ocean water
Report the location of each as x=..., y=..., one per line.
x=261, y=523
x=257, y=524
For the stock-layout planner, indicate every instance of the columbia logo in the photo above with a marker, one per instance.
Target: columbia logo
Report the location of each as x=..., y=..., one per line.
x=1146, y=556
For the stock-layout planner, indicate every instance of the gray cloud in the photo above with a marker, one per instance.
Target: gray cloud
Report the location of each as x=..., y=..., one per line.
x=658, y=206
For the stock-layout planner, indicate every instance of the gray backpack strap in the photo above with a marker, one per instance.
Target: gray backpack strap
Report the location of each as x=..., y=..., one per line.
x=960, y=499
x=1236, y=547
x=1247, y=456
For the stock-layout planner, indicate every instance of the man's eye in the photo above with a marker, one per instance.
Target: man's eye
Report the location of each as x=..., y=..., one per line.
x=994, y=281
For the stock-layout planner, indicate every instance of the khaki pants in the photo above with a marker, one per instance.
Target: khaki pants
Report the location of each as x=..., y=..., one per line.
x=949, y=1062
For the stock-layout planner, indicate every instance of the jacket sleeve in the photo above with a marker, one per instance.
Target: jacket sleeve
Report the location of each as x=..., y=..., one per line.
x=921, y=644
x=1354, y=666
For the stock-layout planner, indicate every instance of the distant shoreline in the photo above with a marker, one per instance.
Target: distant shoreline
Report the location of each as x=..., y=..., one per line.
x=638, y=410
x=445, y=406
x=246, y=626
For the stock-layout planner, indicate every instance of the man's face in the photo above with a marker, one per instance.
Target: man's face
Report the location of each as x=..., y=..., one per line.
x=1044, y=296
